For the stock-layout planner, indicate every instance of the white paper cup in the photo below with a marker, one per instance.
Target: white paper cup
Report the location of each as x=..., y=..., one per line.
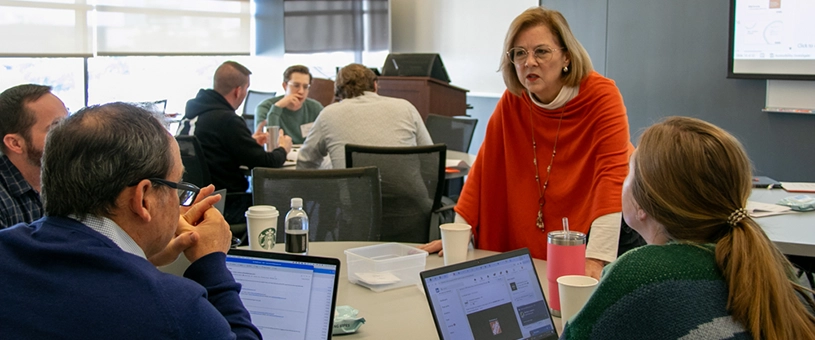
x=261, y=225
x=455, y=238
x=574, y=291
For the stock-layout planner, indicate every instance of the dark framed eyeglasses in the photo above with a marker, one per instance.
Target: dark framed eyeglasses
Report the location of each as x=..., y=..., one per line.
x=187, y=192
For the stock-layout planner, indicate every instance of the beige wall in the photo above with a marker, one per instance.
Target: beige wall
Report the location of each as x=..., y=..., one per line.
x=469, y=35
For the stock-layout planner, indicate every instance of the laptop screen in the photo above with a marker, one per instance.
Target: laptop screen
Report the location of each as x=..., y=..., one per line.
x=496, y=297
x=288, y=296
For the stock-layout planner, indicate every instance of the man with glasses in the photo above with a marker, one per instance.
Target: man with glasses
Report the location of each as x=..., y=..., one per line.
x=27, y=112
x=112, y=201
x=293, y=112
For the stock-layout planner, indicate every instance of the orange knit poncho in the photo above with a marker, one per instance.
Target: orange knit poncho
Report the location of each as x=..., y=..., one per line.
x=500, y=196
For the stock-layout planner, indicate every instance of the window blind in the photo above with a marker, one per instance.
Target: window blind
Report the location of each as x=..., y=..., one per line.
x=178, y=27
x=313, y=26
x=32, y=28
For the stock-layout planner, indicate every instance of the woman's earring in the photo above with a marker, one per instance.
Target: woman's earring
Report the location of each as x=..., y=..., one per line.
x=565, y=69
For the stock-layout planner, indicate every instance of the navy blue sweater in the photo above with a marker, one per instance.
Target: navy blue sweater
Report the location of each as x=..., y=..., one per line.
x=61, y=279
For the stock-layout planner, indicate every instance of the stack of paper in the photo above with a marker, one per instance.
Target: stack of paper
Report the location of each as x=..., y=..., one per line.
x=758, y=209
x=798, y=186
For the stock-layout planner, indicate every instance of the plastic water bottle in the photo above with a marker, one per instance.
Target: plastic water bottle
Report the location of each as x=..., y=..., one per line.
x=297, y=228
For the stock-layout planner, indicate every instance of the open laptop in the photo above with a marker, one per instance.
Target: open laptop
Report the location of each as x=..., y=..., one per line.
x=496, y=297
x=288, y=296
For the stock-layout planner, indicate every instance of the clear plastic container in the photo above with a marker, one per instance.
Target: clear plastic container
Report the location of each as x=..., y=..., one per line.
x=385, y=266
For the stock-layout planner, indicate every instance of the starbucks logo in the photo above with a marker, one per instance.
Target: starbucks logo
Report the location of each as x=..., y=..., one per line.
x=267, y=238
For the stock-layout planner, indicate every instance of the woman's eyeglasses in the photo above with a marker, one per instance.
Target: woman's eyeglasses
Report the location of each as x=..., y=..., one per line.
x=518, y=55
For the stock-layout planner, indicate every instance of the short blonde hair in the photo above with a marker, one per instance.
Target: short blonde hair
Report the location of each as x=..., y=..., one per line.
x=580, y=63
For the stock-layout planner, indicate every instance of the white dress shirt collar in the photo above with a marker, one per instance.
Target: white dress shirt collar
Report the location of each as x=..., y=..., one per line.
x=111, y=230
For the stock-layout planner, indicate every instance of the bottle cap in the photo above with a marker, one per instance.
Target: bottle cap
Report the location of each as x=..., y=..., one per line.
x=296, y=202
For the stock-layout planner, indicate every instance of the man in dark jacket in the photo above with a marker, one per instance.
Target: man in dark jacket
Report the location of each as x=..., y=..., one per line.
x=225, y=139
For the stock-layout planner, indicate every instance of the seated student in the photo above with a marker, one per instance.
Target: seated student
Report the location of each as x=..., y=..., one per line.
x=362, y=117
x=708, y=271
x=293, y=112
x=111, y=195
x=226, y=141
x=27, y=112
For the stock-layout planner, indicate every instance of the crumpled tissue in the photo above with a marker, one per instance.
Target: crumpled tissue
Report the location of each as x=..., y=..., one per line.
x=799, y=202
x=346, y=320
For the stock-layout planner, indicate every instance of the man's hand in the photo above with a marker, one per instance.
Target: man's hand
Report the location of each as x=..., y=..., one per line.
x=284, y=141
x=291, y=102
x=177, y=245
x=185, y=234
x=594, y=267
x=215, y=236
x=260, y=136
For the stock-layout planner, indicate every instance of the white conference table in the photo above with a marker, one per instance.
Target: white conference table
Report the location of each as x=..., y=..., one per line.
x=794, y=233
x=401, y=313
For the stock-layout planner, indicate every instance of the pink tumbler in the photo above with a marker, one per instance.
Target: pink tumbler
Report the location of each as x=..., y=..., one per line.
x=565, y=255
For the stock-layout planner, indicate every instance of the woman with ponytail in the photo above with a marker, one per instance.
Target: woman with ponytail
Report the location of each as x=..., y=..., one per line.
x=708, y=271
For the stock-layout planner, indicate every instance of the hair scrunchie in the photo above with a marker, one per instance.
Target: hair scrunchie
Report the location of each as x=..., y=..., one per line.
x=737, y=216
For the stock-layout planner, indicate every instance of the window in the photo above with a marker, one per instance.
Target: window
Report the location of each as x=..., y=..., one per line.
x=64, y=75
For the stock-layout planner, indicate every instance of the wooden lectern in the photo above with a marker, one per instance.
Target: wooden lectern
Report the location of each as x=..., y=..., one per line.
x=428, y=95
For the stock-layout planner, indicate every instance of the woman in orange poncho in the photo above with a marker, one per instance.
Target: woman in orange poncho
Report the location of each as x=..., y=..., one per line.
x=560, y=122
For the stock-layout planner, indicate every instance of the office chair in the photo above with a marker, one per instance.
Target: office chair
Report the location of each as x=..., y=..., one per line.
x=341, y=204
x=412, y=179
x=158, y=107
x=250, y=104
x=805, y=266
x=196, y=170
x=456, y=132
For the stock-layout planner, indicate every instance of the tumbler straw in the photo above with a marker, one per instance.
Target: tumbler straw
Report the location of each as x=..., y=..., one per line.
x=566, y=227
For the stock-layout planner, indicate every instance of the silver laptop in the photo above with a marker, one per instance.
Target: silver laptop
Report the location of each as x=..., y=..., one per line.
x=496, y=297
x=288, y=296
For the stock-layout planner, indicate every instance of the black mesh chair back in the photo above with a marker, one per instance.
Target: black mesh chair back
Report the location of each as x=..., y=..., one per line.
x=341, y=204
x=412, y=180
x=195, y=165
x=456, y=132
x=250, y=104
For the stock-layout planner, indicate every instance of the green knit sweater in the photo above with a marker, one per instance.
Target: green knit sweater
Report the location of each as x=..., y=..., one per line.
x=290, y=121
x=672, y=291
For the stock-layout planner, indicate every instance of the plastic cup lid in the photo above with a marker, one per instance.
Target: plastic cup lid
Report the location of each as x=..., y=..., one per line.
x=262, y=211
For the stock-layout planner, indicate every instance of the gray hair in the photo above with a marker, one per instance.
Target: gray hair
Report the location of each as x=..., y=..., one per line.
x=93, y=155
